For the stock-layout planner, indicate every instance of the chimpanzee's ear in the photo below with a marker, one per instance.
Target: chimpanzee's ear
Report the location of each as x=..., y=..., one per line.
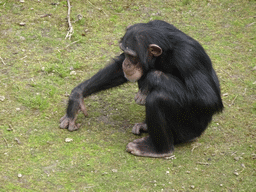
x=128, y=27
x=155, y=50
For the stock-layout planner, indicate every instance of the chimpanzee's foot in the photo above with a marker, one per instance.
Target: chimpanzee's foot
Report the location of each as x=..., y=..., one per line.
x=138, y=127
x=68, y=123
x=144, y=147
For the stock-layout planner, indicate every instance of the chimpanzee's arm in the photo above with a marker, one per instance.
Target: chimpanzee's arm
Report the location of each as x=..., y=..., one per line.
x=108, y=77
x=158, y=80
x=111, y=76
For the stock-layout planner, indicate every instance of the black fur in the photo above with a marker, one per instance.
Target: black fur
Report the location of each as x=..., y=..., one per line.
x=183, y=87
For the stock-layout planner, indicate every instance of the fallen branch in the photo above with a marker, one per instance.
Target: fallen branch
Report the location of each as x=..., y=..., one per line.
x=70, y=29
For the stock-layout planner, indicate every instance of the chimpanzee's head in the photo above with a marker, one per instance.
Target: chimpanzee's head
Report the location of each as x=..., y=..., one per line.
x=139, y=51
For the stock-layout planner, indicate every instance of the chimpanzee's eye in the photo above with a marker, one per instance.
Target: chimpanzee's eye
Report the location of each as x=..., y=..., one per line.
x=133, y=59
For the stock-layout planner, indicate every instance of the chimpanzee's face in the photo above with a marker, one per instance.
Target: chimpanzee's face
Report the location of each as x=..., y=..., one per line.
x=132, y=67
x=134, y=40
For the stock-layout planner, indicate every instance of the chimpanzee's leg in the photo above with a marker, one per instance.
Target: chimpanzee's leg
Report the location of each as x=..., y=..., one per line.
x=140, y=99
x=160, y=141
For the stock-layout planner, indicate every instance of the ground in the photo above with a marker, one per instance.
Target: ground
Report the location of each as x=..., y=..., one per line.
x=39, y=68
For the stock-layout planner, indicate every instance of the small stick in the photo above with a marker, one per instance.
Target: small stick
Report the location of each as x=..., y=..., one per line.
x=46, y=15
x=250, y=24
x=6, y=142
x=17, y=140
x=73, y=43
x=2, y=61
x=171, y=157
x=244, y=91
x=70, y=30
x=233, y=102
x=23, y=57
x=98, y=8
x=201, y=163
x=195, y=146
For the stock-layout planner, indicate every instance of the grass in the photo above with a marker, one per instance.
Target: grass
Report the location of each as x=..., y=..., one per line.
x=35, y=73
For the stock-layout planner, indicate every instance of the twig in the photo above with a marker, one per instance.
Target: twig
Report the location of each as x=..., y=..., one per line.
x=202, y=163
x=171, y=157
x=46, y=15
x=23, y=57
x=73, y=43
x=2, y=61
x=70, y=29
x=98, y=8
x=244, y=91
x=195, y=146
x=225, y=71
x=17, y=140
x=233, y=102
x=6, y=142
x=10, y=128
x=250, y=24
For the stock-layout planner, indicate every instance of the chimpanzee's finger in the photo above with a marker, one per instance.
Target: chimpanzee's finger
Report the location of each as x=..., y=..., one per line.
x=64, y=122
x=62, y=118
x=136, y=129
x=72, y=126
x=83, y=109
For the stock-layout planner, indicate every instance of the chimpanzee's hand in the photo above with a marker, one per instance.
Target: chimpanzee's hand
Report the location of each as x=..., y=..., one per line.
x=140, y=97
x=75, y=105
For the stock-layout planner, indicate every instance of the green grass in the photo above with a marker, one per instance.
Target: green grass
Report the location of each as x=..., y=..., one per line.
x=35, y=66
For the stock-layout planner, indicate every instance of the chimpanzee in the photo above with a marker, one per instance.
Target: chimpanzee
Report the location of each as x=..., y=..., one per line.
x=177, y=85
